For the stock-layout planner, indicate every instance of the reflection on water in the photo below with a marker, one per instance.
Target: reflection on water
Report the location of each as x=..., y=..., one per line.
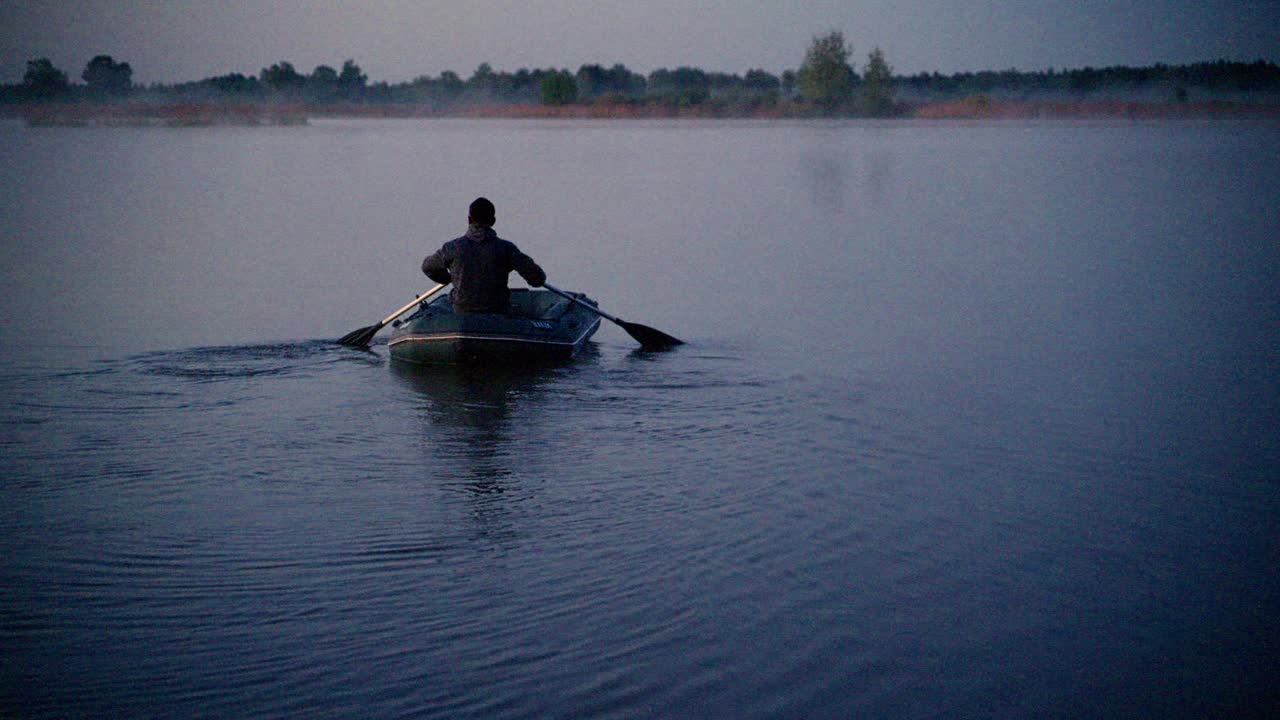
x=469, y=410
x=827, y=178
x=469, y=417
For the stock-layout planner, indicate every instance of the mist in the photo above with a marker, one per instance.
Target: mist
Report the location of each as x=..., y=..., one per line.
x=180, y=42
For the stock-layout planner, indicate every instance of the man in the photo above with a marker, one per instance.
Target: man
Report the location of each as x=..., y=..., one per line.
x=478, y=264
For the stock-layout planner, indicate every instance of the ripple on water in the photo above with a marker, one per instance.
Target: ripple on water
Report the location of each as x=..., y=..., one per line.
x=215, y=364
x=616, y=533
x=144, y=383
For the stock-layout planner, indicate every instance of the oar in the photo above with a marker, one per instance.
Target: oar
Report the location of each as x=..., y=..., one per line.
x=648, y=338
x=361, y=337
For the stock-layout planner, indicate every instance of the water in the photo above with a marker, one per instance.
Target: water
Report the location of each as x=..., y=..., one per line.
x=974, y=420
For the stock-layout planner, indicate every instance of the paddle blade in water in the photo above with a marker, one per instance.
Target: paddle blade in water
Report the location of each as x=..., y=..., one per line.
x=649, y=338
x=361, y=337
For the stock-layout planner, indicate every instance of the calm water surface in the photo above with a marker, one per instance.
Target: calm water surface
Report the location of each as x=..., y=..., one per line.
x=974, y=420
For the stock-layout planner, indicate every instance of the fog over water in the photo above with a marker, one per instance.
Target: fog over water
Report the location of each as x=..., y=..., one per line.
x=974, y=420
x=172, y=42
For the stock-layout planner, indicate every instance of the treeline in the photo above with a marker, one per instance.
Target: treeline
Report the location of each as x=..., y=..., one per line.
x=826, y=80
x=1220, y=77
x=106, y=79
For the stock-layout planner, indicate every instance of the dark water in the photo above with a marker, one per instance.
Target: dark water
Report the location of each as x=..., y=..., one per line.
x=974, y=421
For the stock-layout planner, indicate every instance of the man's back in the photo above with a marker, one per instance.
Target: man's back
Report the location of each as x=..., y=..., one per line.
x=478, y=264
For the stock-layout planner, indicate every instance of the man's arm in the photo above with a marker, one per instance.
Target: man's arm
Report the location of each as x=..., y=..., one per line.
x=528, y=269
x=436, y=266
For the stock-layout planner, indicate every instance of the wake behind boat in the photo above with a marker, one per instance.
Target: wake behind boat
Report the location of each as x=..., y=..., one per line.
x=541, y=326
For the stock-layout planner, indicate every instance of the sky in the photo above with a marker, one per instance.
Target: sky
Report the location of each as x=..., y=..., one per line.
x=169, y=41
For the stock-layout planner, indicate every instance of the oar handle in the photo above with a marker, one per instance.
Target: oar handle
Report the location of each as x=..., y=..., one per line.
x=587, y=305
x=416, y=300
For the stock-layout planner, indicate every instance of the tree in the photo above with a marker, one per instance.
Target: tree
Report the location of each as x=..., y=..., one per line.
x=595, y=80
x=484, y=80
x=680, y=79
x=43, y=80
x=760, y=80
x=351, y=82
x=451, y=83
x=682, y=87
x=788, y=81
x=624, y=81
x=108, y=77
x=558, y=88
x=232, y=84
x=322, y=85
x=877, y=87
x=281, y=77
x=591, y=80
x=825, y=77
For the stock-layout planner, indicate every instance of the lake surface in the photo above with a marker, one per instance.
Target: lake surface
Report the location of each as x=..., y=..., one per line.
x=974, y=420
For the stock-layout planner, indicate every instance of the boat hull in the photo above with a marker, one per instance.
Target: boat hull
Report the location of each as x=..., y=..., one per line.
x=541, y=328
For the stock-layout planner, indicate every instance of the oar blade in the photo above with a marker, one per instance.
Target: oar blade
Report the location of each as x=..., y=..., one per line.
x=361, y=337
x=649, y=338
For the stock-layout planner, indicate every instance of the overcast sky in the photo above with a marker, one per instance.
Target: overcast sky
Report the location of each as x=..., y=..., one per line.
x=178, y=40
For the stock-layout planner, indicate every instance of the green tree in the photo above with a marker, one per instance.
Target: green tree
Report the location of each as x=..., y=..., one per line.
x=282, y=77
x=760, y=80
x=877, y=85
x=825, y=77
x=788, y=81
x=558, y=88
x=108, y=77
x=484, y=81
x=322, y=85
x=232, y=84
x=43, y=80
x=591, y=80
x=595, y=80
x=351, y=81
x=451, y=84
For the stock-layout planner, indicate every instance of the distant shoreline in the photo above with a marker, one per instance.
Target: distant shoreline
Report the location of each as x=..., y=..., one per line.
x=977, y=107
